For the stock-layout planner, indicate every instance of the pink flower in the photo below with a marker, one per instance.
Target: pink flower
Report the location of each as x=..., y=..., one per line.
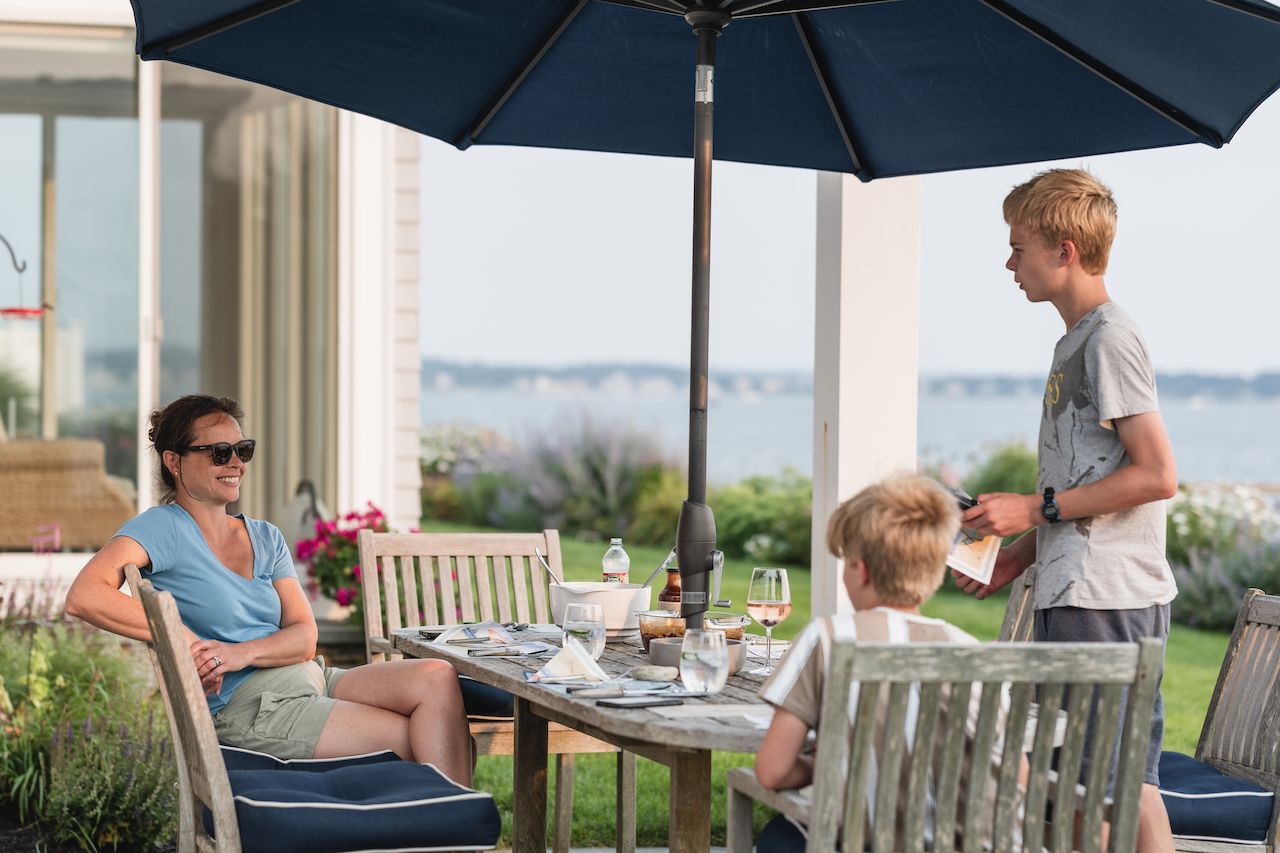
x=355, y=570
x=344, y=596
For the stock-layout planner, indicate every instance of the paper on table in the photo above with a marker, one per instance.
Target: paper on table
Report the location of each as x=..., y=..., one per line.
x=574, y=662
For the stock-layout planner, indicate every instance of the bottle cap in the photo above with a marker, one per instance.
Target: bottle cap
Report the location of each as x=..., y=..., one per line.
x=615, y=541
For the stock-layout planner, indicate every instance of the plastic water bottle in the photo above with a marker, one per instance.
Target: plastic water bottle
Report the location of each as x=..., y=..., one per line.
x=616, y=563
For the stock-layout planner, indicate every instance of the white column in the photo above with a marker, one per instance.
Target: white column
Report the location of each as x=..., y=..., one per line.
x=379, y=366
x=365, y=222
x=865, y=368
x=149, y=328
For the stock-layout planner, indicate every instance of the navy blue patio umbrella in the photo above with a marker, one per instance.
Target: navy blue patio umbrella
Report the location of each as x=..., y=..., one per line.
x=871, y=87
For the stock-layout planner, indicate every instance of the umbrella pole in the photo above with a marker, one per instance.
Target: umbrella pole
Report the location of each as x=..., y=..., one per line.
x=696, y=532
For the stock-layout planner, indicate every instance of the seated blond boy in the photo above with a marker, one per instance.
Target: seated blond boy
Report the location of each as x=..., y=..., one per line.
x=894, y=537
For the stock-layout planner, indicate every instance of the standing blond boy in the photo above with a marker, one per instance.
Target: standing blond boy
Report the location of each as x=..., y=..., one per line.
x=1105, y=465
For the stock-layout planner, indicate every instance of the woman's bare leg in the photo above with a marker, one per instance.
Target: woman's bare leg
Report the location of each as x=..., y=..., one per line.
x=411, y=706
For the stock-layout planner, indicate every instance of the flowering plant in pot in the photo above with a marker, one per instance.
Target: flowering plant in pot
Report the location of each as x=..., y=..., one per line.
x=333, y=557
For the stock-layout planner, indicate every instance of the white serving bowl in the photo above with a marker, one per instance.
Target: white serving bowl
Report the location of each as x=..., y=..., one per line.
x=620, y=602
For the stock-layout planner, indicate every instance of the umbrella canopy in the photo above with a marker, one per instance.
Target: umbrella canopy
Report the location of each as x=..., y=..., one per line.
x=874, y=88
x=871, y=87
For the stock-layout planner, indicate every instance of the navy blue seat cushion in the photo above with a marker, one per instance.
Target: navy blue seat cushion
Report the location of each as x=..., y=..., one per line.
x=237, y=758
x=365, y=802
x=484, y=702
x=1206, y=804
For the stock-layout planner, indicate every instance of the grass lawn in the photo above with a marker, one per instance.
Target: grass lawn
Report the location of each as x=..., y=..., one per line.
x=1192, y=661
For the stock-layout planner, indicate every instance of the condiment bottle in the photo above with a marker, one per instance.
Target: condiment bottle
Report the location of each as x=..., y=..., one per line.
x=669, y=597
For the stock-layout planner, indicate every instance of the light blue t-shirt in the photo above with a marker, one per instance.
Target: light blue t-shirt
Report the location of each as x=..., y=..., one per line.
x=213, y=601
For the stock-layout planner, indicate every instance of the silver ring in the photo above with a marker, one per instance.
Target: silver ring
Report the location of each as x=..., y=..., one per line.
x=217, y=661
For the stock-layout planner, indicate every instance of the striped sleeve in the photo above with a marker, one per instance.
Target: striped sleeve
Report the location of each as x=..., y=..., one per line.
x=797, y=682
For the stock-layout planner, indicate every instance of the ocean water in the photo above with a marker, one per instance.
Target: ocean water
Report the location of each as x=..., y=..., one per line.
x=1213, y=440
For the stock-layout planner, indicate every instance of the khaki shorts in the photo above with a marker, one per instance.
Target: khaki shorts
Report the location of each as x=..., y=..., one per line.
x=280, y=710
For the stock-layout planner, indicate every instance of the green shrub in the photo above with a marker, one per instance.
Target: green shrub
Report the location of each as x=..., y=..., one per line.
x=588, y=480
x=1212, y=582
x=441, y=500
x=54, y=674
x=1222, y=539
x=657, y=509
x=1010, y=468
x=766, y=519
x=113, y=784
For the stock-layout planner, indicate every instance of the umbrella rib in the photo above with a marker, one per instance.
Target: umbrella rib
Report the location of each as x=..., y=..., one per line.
x=1202, y=132
x=762, y=8
x=841, y=124
x=670, y=6
x=1268, y=13
x=221, y=25
x=525, y=69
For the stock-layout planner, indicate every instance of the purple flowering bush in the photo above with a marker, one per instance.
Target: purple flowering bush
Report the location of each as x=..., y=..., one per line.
x=333, y=557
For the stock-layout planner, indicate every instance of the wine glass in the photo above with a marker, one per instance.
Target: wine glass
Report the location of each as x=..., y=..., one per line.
x=585, y=623
x=768, y=602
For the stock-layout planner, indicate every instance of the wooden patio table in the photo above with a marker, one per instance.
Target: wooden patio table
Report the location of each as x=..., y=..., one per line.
x=681, y=737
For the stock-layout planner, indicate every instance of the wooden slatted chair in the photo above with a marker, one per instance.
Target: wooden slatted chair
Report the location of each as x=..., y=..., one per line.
x=1241, y=733
x=1020, y=612
x=851, y=760
x=239, y=800
x=450, y=578
x=187, y=802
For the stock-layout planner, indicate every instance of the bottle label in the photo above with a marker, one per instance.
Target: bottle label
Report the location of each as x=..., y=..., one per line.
x=618, y=578
x=673, y=606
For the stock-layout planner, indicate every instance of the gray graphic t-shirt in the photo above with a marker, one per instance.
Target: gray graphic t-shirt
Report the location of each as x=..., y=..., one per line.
x=1101, y=372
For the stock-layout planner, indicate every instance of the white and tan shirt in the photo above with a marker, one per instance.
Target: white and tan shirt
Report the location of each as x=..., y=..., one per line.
x=797, y=685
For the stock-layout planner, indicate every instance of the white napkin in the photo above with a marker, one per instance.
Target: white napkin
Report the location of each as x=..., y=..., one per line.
x=572, y=662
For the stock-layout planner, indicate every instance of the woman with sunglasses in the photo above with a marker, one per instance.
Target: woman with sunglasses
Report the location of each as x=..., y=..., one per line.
x=251, y=631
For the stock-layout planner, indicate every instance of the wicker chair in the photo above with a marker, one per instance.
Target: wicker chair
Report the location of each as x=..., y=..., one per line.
x=61, y=481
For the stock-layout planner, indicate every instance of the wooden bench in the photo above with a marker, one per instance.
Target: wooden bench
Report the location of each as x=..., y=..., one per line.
x=851, y=760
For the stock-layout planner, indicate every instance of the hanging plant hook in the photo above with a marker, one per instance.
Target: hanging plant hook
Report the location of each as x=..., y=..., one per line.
x=19, y=266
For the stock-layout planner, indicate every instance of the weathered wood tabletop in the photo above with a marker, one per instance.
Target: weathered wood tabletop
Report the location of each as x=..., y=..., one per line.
x=681, y=737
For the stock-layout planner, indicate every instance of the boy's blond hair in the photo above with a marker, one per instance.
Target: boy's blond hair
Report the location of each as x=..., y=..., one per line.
x=901, y=529
x=1067, y=204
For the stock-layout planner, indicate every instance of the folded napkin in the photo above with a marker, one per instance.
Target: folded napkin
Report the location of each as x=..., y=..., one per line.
x=572, y=662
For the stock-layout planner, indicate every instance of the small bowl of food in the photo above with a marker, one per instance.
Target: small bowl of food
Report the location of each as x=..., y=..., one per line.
x=669, y=623
x=665, y=651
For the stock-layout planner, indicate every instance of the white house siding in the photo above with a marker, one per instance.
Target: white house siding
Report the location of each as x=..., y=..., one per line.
x=406, y=481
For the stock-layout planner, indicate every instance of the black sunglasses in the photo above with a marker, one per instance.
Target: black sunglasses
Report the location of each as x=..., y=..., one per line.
x=221, y=452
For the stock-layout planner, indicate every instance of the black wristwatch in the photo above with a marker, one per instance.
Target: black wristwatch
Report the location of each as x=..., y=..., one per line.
x=1049, y=509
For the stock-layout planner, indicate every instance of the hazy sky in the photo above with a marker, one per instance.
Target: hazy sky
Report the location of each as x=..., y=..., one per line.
x=558, y=257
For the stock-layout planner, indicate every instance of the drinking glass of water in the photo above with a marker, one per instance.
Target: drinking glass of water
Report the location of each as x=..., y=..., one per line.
x=704, y=661
x=768, y=602
x=585, y=623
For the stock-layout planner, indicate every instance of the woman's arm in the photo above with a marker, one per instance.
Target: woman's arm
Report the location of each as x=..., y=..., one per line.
x=95, y=595
x=779, y=763
x=293, y=643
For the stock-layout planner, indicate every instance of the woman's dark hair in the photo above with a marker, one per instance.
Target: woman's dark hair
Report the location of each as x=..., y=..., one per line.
x=172, y=428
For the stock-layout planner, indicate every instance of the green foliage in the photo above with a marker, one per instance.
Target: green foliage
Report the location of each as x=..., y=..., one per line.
x=657, y=509
x=1011, y=468
x=441, y=499
x=113, y=785
x=116, y=427
x=13, y=388
x=1221, y=541
x=766, y=519
x=54, y=675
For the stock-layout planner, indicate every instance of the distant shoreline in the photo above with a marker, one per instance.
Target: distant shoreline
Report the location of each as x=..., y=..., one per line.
x=661, y=379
